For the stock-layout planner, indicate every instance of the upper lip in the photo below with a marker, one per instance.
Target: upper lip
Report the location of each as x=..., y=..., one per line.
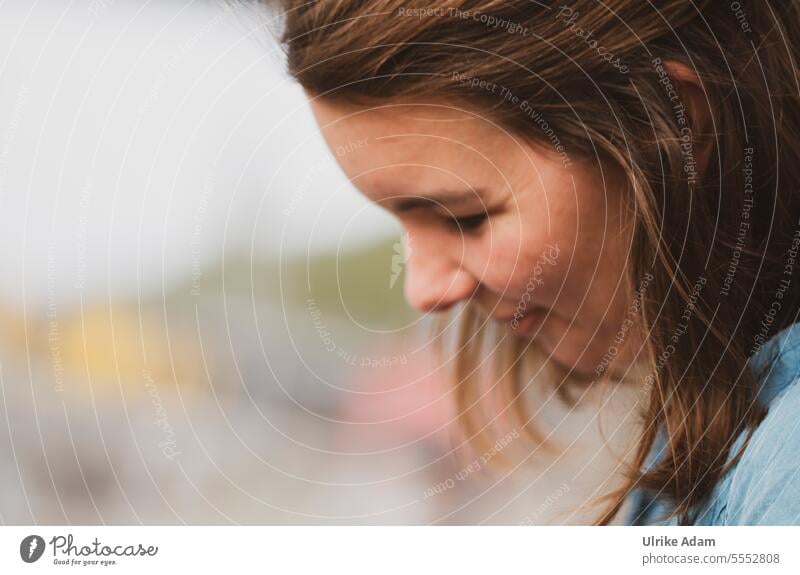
x=515, y=315
x=503, y=310
x=505, y=317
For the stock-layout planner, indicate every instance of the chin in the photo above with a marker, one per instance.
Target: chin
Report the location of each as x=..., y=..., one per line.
x=578, y=355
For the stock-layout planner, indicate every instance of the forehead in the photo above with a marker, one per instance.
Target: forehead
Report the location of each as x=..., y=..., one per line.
x=447, y=147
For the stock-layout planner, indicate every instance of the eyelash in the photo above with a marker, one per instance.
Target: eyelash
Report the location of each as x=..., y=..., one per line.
x=467, y=223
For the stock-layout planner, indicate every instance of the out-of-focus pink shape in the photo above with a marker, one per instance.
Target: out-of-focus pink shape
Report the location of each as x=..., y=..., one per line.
x=406, y=399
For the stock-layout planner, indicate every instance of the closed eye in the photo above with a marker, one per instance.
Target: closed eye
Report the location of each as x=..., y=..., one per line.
x=467, y=223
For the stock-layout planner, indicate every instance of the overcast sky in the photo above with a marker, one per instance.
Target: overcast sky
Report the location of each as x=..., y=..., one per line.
x=137, y=137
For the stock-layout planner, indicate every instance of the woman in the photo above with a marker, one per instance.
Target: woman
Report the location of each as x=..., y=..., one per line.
x=618, y=184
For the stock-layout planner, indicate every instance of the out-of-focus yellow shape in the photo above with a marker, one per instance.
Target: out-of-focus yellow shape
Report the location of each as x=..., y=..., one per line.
x=115, y=350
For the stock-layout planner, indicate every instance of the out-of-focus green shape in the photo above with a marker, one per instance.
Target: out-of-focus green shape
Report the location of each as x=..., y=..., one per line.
x=365, y=282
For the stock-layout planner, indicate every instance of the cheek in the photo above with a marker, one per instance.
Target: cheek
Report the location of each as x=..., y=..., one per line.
x=517, y=262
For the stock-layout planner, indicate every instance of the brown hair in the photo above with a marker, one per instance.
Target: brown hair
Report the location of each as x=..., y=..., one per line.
x=713, y=246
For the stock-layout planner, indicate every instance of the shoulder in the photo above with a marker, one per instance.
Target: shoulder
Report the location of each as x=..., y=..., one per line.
x=764, y=487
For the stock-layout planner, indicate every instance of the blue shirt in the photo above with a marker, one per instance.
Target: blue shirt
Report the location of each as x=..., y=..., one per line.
x=763, y=488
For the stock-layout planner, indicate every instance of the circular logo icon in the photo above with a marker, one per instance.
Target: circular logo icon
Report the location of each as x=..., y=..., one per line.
x=31, y=548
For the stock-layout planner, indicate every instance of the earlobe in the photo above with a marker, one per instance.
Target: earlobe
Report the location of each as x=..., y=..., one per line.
x=698, y=108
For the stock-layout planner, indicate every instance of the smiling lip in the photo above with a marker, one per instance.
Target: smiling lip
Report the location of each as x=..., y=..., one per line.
x=528, y=321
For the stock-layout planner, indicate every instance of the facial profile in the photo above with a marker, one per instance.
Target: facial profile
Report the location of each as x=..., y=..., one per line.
x=493, y=221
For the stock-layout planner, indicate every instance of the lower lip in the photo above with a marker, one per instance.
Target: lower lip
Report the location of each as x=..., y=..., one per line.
x=528, y=322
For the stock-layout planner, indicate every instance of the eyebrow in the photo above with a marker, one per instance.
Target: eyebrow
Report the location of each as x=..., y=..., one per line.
x=441, y=198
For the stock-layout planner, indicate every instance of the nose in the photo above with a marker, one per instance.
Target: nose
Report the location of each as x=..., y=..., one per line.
x=435, y=281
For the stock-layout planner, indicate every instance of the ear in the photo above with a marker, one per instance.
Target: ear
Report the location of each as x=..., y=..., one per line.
x=694, y=97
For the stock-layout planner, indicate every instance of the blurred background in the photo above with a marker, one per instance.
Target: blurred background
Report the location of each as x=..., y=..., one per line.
x=203, y=321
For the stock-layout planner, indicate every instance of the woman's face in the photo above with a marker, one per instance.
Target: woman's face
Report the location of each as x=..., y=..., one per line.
x=536, y=239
